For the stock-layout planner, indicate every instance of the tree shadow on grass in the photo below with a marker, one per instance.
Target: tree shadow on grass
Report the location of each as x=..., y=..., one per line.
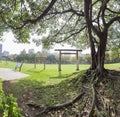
x=60, y=75
x=21, y=86
x=35, y=71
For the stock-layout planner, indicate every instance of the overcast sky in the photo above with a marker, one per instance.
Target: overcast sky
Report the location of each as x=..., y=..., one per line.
x=15, y=48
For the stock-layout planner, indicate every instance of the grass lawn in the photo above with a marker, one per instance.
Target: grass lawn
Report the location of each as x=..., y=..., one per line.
x=51, y=74
x=113, y=66
x=46, y=87
x=48, y=76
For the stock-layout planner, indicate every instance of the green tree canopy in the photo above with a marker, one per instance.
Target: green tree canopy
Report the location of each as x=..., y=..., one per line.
x=81, y=23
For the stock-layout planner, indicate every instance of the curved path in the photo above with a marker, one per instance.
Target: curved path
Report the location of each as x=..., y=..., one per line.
x=9, y=74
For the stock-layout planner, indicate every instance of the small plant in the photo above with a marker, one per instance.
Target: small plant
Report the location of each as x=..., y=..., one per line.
x=8, y=105
x=104, y=114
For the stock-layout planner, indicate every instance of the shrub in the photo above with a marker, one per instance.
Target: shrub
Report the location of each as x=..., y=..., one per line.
x=8, y=105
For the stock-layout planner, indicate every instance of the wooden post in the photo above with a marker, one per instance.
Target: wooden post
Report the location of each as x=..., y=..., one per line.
x=77, y=61
x=44, y=62
x=59, y=66
x=35, y=63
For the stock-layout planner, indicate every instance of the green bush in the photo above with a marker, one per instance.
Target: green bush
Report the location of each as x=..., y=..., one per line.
x=8, y=105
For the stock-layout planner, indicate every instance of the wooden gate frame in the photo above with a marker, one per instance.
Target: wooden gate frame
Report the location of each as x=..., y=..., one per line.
x=67, y=51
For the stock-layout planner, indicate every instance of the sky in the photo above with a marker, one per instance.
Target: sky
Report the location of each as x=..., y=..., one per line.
x=15, y=48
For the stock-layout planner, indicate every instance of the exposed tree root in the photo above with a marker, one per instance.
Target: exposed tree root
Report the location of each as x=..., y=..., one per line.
x=99, y=103
x=92, y=112
x=59, y=106
x=110, y=76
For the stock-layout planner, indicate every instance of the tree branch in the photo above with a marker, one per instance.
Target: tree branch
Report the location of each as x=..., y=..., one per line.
x=95, y=2
x=101, y=14
x=72, y=34
x=64, y=25
x=66, y=11
x=112, y=11
x=93, y=101
x=104, y=6
x=33, y=21
x=117, y=18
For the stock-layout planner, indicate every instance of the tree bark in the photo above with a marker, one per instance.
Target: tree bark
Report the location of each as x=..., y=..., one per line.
x=101, y=52
x=93, y=56
x=88, y=18
x=97, y=56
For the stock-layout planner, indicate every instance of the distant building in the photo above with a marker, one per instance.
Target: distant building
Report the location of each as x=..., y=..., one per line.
x=5, y=54
x=31, y=51
x=0, y=50
x=23, y=51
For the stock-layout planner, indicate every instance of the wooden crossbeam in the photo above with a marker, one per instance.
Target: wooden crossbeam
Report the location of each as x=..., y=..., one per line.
x=68, y=53
x=67, y=50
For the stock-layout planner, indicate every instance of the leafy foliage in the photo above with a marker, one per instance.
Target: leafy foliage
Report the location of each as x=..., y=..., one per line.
x=8, y=105
x=64, y=20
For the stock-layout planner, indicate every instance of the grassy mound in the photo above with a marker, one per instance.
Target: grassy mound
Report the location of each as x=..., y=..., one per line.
x=29, y=92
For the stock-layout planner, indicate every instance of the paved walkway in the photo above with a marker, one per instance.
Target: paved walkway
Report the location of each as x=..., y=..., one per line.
x=9, y=74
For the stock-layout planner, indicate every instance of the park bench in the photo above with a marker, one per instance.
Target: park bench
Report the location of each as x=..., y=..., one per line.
x=19, y=66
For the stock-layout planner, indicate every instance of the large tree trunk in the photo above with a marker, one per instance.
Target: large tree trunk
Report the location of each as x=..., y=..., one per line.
x=101, y=52
x=98, y=56
x=88, y=18
x=93, y=55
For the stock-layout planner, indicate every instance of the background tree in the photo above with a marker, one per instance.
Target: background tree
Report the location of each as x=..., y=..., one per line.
x=51, y=59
